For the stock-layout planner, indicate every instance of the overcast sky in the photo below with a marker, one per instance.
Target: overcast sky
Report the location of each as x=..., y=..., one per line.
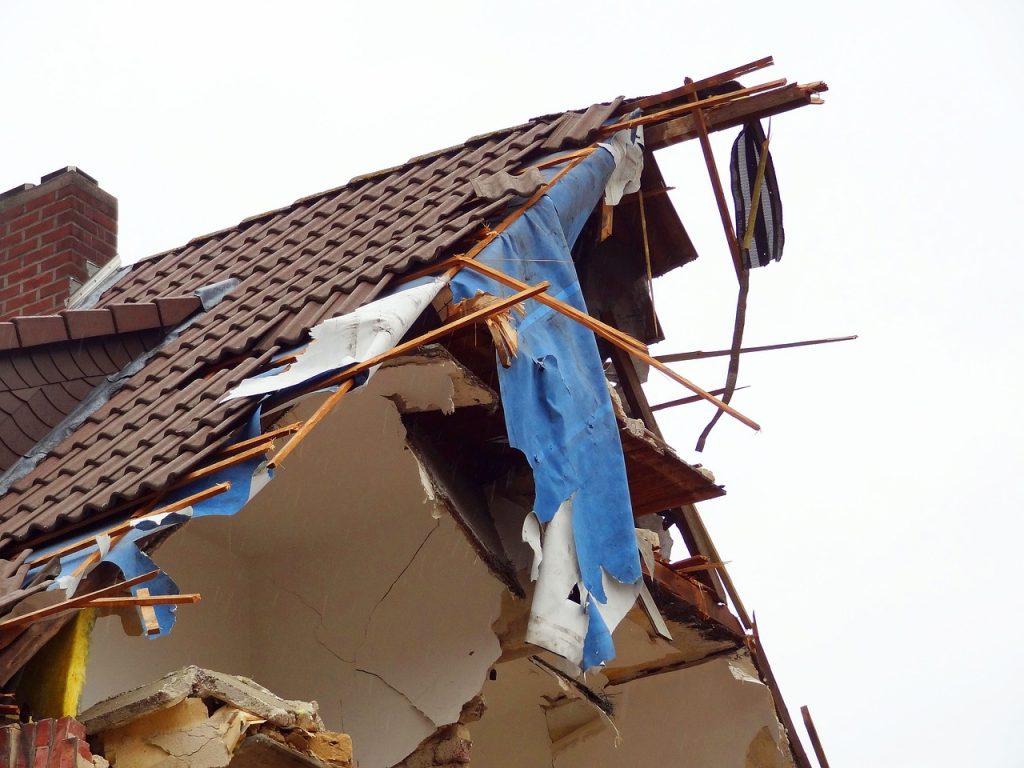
x=874, y=524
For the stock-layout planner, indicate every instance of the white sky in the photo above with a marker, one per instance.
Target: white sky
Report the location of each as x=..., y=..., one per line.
x=874, y=524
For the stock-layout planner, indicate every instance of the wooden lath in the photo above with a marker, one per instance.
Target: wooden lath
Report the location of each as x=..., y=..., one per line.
x=80, y=601
x=687, y=89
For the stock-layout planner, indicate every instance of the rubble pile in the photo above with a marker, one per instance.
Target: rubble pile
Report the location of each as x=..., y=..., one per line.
x=196, y=718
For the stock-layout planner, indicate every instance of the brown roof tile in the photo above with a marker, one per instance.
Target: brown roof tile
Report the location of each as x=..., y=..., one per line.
x=8, y=336
x=40, y=330
x=83, y=323
x=324, y=255
x=41, y=385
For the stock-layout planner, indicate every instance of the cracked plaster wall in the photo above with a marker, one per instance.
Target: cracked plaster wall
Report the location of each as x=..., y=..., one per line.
x=714, y=715
x=341, y=582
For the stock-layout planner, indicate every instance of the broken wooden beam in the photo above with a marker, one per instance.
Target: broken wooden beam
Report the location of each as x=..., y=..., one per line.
x=691, y=593
x=733, y=113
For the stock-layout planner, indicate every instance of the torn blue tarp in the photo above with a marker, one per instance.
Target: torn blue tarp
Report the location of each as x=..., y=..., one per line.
x=555, y=397
x=246, y=478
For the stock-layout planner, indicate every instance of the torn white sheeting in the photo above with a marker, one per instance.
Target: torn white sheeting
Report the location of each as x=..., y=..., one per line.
x=531, y=535
x=627, y=147
x=621, y=597
x=557, y=622
x=744, y=671
x=343, y=341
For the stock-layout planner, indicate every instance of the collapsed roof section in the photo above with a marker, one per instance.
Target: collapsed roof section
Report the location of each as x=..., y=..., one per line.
x=319, y=296
x=320, y=257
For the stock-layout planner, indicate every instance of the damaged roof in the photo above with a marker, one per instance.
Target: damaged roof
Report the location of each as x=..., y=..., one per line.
x=322, y=256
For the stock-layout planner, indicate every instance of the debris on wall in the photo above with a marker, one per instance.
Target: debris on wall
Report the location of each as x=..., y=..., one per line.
x=448, y=746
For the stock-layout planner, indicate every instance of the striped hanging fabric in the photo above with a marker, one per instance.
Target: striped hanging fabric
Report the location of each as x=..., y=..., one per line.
x=769, y=236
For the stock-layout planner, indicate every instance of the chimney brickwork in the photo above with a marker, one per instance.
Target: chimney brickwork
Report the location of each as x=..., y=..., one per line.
x=53, y=237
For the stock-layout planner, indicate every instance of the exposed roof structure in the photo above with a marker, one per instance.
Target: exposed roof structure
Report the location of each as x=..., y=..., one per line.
x=319, y=257
x=176, y=371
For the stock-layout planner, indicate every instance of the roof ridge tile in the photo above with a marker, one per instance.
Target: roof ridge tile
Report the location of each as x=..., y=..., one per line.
x=30, y=331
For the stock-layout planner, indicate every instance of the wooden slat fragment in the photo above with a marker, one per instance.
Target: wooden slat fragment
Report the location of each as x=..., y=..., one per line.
x=144, y=600
x=148, y=615
x=719, y=190
x=699, y=85
x=781, y=710
x=607, y=221
x=755, y=199
x=687, y=400
x=812, y=732
x=549, y=301
x=265, y=438
x=679, y=357
x=217, y=466
x=311, y=422
x=682, y=109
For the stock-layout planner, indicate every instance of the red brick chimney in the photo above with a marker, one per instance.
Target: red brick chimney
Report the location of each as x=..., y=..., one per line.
x=53, y=236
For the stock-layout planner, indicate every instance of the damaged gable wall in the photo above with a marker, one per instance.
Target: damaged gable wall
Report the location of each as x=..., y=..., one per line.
x=343, y=581
x=714, y=714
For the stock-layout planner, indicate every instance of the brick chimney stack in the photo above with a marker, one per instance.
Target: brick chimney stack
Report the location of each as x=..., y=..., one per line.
x=53, y=236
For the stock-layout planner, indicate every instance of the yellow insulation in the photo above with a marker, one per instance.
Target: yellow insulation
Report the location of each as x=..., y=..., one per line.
x=51, y=683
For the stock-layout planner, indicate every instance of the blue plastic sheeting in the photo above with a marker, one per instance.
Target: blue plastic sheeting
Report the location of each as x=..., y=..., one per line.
x=557, y=408
x=239, y=475
x=127, y=554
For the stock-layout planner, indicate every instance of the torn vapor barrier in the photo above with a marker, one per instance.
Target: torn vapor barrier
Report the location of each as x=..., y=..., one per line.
x=558, y=413
x=127, y=550
x=341, y=342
